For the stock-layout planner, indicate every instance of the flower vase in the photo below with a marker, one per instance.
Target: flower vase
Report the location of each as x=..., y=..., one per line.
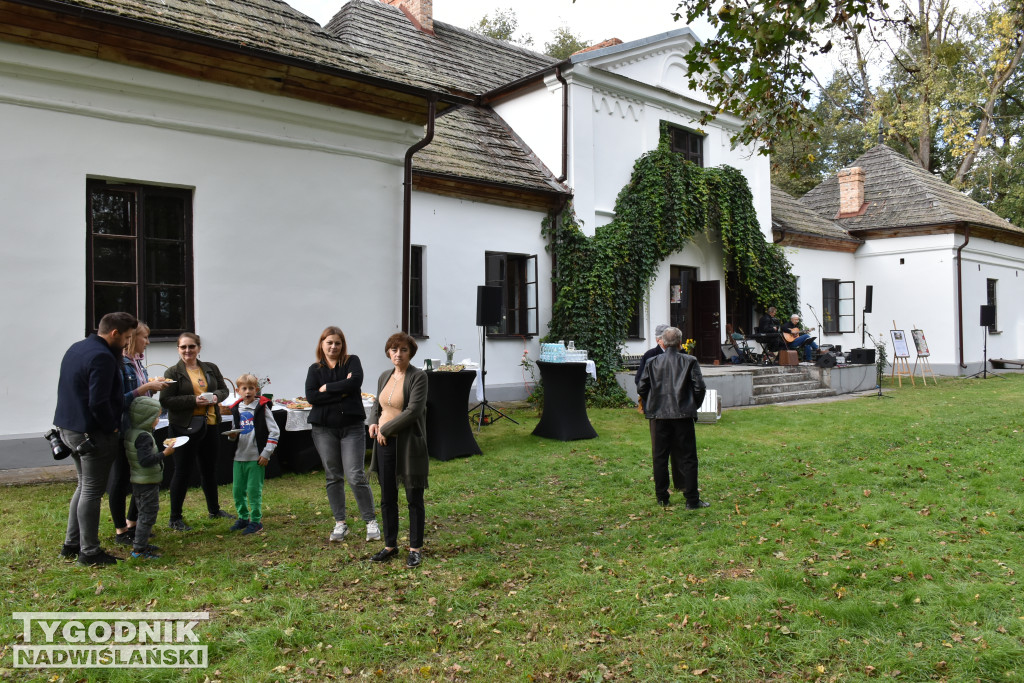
x=449, y=357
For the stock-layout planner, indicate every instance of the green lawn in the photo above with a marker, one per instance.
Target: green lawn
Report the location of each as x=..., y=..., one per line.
x=847, y=541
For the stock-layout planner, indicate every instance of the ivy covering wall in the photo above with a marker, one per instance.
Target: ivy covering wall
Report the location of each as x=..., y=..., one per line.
x=599, y=281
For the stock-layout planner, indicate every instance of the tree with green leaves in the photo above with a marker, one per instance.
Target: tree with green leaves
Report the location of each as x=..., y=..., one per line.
x=946, y=70
x=502, y=26
x=564, y=43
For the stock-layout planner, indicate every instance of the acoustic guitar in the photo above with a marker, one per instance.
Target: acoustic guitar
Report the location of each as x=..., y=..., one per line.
x=790, y=337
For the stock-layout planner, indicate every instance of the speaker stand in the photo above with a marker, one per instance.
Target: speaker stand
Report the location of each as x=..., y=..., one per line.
x=984, y=363
x=483, y=405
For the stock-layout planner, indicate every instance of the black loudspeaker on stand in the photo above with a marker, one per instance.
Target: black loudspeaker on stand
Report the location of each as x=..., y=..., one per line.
x=867, y=309
x=488, y=314
x=987, y=319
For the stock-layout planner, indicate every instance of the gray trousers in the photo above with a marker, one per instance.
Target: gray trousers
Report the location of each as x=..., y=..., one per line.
x=147, y=499
x=343, y=454
x=93, y=472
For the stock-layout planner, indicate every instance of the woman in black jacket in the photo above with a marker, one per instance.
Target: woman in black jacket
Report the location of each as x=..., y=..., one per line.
x=191, y=411
x=333, y=387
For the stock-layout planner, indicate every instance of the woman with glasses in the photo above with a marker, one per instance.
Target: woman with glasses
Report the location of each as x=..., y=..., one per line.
x=191, y=403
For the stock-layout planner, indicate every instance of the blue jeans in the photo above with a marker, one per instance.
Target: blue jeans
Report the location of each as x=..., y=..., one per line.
x=93, y=472
x=343, y=454
x=809, y=347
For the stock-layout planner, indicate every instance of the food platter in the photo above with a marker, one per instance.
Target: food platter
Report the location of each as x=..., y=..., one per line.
x=175, y=442
x=298, y=403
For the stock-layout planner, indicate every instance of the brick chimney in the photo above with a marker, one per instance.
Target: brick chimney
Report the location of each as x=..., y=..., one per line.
x=851, y=192
x=420, y=12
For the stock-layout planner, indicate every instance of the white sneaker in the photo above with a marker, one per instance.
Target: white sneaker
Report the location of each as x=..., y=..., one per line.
x=340, y=531
x=372, y=531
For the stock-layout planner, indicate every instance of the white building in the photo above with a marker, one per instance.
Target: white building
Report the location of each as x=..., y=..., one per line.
x=237, y=170
x=932, y=257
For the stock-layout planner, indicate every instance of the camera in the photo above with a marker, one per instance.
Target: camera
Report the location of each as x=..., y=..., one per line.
x=59, y=449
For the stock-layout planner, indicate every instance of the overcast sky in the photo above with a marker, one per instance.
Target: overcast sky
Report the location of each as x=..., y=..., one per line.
x=593, y=20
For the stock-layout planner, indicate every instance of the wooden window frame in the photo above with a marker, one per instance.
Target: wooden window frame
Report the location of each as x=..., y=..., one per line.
x=687, y=143
x=991, y=287
x=417, y=281
x=516, y=275
x=139, y=194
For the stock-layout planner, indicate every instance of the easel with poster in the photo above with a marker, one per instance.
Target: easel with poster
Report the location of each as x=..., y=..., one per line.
x=901, y=356
x=921, y=346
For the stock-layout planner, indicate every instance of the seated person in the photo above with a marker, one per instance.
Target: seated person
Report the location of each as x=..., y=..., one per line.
x=769, y=327
x=796, y=337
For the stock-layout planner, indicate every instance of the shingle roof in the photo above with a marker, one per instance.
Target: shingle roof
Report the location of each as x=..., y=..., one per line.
x=790, y=215
x=453, y=57
x=901, y=194
x=475, y=143
x=269, y=25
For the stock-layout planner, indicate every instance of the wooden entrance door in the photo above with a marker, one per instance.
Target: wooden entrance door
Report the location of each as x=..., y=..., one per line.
x=706, y=304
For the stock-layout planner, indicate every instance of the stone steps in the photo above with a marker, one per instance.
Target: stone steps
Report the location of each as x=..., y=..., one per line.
x=786, y=387
x=792, y=396
x=787, y=383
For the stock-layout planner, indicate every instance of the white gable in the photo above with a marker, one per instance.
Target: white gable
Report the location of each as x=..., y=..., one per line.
x=658, y=61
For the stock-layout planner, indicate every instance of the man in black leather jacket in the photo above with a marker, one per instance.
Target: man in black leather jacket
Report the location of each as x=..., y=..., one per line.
x=672, y=389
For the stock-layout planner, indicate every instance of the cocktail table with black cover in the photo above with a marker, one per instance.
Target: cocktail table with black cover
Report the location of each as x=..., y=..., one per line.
x=449, y=434
x=565, y=402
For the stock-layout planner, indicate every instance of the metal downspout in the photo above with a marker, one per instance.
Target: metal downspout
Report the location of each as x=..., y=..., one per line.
x=565, y=124
x=960, y=291
x=407, y=210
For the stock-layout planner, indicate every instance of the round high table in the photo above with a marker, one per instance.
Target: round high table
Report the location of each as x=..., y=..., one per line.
x=449, y=434
x=565, y=402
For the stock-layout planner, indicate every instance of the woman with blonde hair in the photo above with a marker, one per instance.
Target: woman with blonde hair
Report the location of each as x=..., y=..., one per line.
x=136, y=383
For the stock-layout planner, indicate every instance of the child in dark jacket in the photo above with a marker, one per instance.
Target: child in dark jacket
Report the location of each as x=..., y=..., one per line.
x=146, y=461
x=257, y=437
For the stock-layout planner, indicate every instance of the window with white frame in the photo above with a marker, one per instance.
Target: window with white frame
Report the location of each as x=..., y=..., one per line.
x=838, y=303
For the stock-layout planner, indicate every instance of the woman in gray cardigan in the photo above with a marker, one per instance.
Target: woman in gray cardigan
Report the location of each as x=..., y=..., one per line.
x=398, y=425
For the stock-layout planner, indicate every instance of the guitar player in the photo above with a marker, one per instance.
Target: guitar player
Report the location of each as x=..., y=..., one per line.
x=797, y=338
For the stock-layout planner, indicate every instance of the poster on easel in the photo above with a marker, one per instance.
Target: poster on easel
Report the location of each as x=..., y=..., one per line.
x=899, y=344
x=920, y=343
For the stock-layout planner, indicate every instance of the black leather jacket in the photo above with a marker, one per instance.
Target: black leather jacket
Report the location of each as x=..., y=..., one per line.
x=672, y=386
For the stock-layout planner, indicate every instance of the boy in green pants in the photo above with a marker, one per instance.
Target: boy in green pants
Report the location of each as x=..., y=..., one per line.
x=257, y=439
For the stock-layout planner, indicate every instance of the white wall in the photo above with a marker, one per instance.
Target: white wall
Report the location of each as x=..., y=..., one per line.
x=915, y=284
x=456, y=234
x=535, y=114
x=297, y=217
x=812, y=266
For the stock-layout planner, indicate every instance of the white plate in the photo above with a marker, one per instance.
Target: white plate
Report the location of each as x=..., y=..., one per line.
x=232, y=432
x=179, y=441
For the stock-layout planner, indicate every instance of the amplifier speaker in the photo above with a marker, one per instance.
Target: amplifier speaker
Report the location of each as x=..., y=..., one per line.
x=988, y=316
x=488, y=306
x=826, y=360
x=867, y=298
x=860, y=356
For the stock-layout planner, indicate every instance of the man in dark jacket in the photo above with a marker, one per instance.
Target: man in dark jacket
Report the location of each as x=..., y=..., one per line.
x=656, y=350
x=90, y=401
x=672, y=389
